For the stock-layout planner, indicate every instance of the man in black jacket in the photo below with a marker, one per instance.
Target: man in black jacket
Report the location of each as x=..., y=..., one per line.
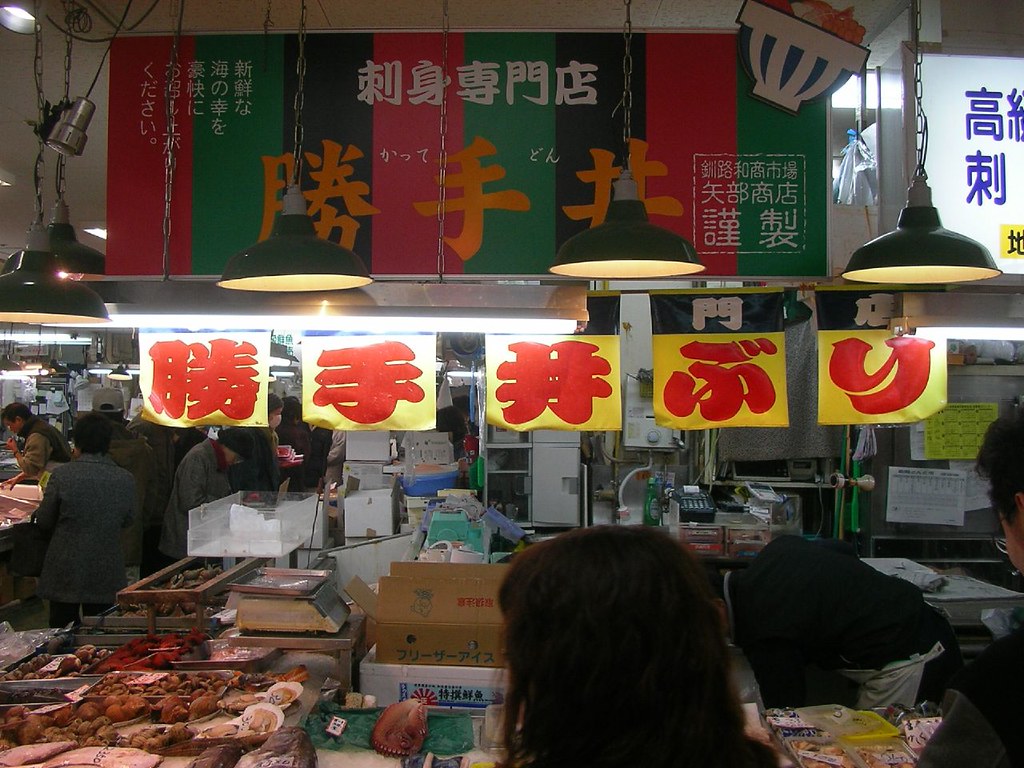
x=801, y=603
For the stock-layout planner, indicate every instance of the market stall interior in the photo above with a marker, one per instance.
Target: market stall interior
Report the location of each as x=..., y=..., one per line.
x=396, y=300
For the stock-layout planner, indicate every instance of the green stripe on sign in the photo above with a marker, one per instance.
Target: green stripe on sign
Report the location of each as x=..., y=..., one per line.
x=237, y=120
x=783, y=161
x=523, y=133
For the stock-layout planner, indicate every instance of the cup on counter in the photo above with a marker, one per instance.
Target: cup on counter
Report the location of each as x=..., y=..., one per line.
x=466, y=555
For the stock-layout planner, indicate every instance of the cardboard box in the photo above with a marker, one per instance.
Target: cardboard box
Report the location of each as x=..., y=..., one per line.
x=369, y=513
x=437, y=685
x=368, y=446
x=364, y=476
x=445, y=614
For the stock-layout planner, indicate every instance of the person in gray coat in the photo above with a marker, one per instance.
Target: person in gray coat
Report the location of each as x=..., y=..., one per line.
x=201, y=477
x=86, y=504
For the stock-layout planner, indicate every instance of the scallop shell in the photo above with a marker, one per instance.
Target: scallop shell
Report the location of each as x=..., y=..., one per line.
x=237, y=701
x=219, y=731
x=283, y=694
x=261, y=718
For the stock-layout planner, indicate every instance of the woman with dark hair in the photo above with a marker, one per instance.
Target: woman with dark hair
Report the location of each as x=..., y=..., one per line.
x=295, y=432
x=981, y=708
x=86, y=504
x=616, y=656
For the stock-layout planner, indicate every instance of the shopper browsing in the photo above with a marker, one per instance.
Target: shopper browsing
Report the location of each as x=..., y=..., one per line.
x=86, y=504
x=615, y=657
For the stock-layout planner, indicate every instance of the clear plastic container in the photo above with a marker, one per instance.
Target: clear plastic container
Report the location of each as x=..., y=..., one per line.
x=247, y=524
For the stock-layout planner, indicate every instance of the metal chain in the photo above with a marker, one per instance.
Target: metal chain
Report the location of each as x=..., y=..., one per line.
x=442, y=158
x=921, y=120
x=59, y=179
x=268, y=22
x=300, y=72
x=169, y=154
x=627, y=86
x=37, y=69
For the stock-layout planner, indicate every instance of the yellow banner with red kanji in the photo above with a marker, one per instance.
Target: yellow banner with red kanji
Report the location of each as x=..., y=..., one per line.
x=705, y=381
x=568, y=383
x=872, y=377
x=719, y=358
x=371, y=382
x=205, y=378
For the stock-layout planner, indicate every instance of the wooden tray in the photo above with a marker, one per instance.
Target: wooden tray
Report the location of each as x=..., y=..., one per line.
x=145, y=590
x=200, y=657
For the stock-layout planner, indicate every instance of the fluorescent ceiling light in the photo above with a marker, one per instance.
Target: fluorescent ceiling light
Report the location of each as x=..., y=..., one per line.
x=43, y=337
x=966, y=332
x=381, y=307
x=100, y=232
x=460, y=374
x=7, y=178
x=351, y=323
x=277, y=374
x=101, y=370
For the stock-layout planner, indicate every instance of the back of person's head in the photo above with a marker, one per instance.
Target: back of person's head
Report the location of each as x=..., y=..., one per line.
x=291, y=410
x=238, y=440
x=616, y=656
x=274, y=403
x=109, y=402
x=1001, y=460
x=92, y=434
x=14, y=411
x=451, y=419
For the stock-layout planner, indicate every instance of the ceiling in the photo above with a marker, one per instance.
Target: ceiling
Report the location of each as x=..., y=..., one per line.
x=884, y=20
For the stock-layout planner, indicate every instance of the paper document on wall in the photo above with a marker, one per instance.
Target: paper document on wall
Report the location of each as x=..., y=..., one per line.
x=976, y=496
x=957, y=430
x=926, y=496
x=917, y=441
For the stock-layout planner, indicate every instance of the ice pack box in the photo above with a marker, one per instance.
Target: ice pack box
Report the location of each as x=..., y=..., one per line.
x=252, y=524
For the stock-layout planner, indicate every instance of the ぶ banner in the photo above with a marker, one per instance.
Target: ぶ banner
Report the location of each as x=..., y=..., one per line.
x=719, y=359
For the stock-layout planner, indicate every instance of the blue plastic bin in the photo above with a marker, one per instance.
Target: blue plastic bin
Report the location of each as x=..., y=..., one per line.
x=429, y=485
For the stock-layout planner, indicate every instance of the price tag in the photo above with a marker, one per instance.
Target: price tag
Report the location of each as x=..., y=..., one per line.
x=147, y=679
x=337, y=726
x=821, y=757
x=49, y=708
x=52, y=665
x=78, y=693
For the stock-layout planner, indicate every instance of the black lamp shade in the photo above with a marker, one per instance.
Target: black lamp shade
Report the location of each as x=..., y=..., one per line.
x=293, y=258
x=921, y=250
x=626, y=245
x=31, y=292
x=72, y=257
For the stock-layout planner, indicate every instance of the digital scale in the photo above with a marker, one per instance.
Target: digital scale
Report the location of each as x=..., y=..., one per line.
x=288, y=600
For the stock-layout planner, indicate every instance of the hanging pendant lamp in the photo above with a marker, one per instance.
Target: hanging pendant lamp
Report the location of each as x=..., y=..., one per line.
x=74, y=260
x=19, y=15
x=31, y=291
x=293, y=258
x=920, y=249
x=626, y=244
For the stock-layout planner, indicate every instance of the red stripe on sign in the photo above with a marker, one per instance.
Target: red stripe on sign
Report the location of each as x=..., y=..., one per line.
x=406, y=147
x=136, y=161
x=691, y=111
